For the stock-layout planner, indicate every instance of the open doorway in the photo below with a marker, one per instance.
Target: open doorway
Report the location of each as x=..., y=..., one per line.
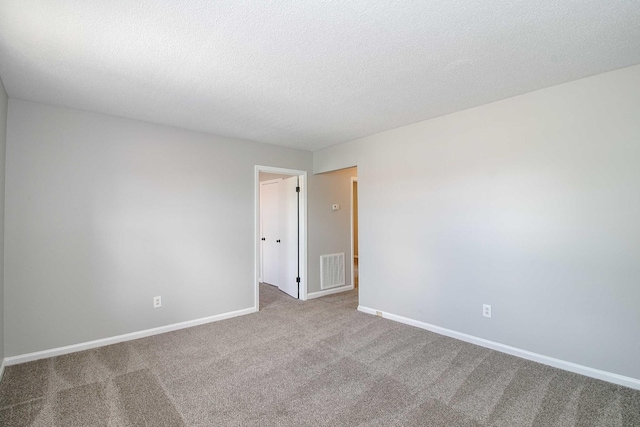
x=280, y=230
x=330, y=266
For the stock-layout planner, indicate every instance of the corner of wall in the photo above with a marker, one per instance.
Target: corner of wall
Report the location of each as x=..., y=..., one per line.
x=4, y=107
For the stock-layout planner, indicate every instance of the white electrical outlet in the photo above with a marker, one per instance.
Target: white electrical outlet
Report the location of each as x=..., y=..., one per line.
x=157, y=302
x=486, y=310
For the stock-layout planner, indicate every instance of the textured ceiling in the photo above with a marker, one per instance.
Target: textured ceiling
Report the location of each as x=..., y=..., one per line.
x=305, y=73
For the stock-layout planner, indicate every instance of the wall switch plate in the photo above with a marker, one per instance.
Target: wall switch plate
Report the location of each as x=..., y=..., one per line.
x=335, y=207
x=486, y=310
x=157, y=302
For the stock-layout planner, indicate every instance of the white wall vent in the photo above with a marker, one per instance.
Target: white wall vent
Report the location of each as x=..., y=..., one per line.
x=331, y=270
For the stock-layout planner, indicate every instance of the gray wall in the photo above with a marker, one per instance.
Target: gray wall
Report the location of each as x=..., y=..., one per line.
x=4, y=101
x=329, y=231
x=530, y=204
x=104, y=213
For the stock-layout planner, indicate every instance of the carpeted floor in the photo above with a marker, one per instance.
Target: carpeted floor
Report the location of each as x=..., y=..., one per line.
x=314, y=363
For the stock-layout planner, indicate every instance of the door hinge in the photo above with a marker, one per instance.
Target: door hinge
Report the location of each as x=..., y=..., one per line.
x=297, y=189
x=297, y=280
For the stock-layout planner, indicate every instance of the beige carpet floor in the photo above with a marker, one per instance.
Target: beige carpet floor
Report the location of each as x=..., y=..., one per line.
x=314, y=363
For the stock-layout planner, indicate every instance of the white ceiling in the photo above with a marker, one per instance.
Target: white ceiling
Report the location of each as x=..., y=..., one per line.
x=304, y=73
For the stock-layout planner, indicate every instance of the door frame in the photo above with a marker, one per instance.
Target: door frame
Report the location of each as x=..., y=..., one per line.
x=302, y=212
x=353, y=254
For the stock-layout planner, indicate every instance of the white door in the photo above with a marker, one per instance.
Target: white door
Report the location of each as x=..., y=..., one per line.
x=288, y=236
x=269, y=206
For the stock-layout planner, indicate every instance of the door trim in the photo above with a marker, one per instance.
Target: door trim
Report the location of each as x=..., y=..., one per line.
x=302, y=175
x=353, y=255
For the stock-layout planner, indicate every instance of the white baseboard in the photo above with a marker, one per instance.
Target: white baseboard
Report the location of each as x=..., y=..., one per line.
x=2, y=368
x=329, y=291
x=535, y=357
x=14, y=360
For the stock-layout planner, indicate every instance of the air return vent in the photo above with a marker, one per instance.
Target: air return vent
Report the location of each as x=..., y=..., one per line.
x=331, y=270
